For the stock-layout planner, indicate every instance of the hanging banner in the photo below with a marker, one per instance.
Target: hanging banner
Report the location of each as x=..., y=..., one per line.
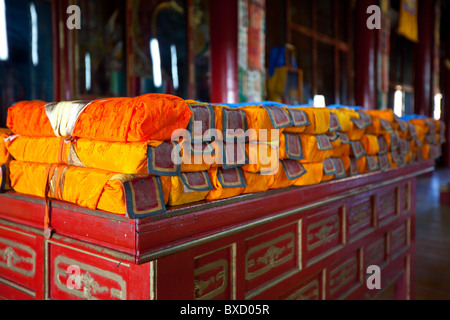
x=437, y=45
x=408, y=25
x=383, y=56
x=251, y=47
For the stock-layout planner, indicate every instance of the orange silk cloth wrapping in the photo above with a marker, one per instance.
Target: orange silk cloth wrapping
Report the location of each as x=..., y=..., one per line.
x=89, y=188
x=354, y=131
x=265, y=127
x=377, y=127
x=293, y=173
x=319, y=120
x=315, y=148
x=344, y=118
x=189, y=188
x=144, y=118
x=423, y=123
x=256, y=182
x=128, y=158
x=341, y=147
x=370, y=144
x=227, y=183
x=5, y=156
x=306, y=148
x=262, y=157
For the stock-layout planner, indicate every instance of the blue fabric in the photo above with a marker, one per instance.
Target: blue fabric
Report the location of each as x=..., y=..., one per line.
x=300, y=106
x=245, y=104
x=413, y=116
x=337, y=106
x=277, y=58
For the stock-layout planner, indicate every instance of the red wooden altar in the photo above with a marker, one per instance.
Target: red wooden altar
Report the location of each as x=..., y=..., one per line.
x=300, y=243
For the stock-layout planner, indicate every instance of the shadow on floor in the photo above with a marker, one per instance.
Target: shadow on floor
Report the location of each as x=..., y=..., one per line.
x=432, y=238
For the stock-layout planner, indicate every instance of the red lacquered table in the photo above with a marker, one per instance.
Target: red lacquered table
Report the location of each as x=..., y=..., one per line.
x=311, y=242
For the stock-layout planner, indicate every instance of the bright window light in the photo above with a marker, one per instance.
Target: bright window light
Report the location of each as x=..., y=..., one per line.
x=319, y=101
x=398, y=103
x=156, y=60
x=437, y=106
x=87, y=63
x=34, y=35
x=173, y=53
x=4, y=52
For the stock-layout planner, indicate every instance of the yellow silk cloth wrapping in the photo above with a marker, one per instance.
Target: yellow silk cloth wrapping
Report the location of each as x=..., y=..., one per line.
x=392, y=163
x=420, y=123
x=127, y=158
x=341, y=149
x=313, y=175
x=409, y=157
x=311, y=151
x=198, y=161
x=355, y=133
x=5, y=156
x=180, y=194
x=392, y=140
x=366, y=165
x=346, y=161
x=370, y=144
x=145, y=118
x=352, y=131
x=256, y=182
x=326, y=178
x=421, y=130
x=319, y=119
x=337, y=145
x=344, y=117
x=425, y=151
x=298, y=128
x=362, y=165
x=281, y=180
x=218, y=117
x=219, y=191
x=262, y=157
x=259, y=119
x=265, y=156
x=89, y=188
x=376, y=128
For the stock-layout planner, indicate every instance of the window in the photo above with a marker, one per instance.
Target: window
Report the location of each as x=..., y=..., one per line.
x=319, y=30
x=130, y=48
x=99, y=50
x=401, y=72
x=26, y=69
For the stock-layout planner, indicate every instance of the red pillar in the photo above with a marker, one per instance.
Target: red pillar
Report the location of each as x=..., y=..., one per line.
x=365, y=57
x=445, y=90
x=224, y=51
x=445, y=116
x=423, y=89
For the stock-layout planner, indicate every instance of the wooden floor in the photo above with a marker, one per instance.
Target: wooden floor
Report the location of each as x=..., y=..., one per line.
x=432, y=239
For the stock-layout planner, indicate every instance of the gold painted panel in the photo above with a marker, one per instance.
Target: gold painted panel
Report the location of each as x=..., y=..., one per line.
x=211, y=280
x=323, y=231
x=17, y=257
x=308, y=291
x=343, y=275
x=94, y=282
x=269, y=255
